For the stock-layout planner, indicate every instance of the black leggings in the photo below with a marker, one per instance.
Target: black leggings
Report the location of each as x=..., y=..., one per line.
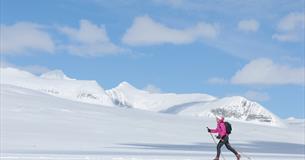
x=225, y=142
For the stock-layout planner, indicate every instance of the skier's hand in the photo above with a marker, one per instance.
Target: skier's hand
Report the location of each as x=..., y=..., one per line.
x=209, y=130
x=218, y=137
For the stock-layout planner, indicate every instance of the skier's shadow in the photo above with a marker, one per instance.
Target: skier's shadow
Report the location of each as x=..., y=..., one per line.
x=253, y=147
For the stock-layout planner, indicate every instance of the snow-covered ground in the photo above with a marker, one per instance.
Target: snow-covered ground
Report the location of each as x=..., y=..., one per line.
x=35, y=125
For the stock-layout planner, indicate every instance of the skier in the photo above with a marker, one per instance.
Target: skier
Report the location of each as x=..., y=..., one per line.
x=223, y=137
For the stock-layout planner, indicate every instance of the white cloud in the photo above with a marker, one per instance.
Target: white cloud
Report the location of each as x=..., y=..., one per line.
x=216, y=80
x=250, y=25
x=257, y=96
x=89, y=40
x=23, y=37
x=291, y=22
x=265, y=71
x=146, y=31
x=152, y=89
x=287, y=37
x=291, y=28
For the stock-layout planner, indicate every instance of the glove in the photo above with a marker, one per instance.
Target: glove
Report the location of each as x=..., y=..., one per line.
x=209, y=130
x=218, y=137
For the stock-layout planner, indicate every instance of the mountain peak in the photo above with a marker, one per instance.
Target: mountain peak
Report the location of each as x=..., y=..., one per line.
x=126, y=86
x=55, y=74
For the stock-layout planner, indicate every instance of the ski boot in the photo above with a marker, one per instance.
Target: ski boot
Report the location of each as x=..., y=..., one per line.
x=238, y=157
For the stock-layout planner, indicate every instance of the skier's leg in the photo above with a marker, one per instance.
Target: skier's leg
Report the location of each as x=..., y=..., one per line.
x=229, y=147
x=219, y=145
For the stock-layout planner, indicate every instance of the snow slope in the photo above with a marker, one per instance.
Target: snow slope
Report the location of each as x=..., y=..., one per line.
x=56, y=83
x=35, y=125
x=127, y=95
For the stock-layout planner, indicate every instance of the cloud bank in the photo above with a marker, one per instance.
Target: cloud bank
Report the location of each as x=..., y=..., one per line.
x=24, y=38
x=89, y=40
x=146, y=31
x=290, y=28
x=266, y=72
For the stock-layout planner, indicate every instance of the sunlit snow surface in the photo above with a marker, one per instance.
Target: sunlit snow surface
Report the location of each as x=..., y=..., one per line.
x=35, y=125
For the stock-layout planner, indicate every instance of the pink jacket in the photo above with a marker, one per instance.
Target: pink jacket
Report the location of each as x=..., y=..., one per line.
x=221, y=128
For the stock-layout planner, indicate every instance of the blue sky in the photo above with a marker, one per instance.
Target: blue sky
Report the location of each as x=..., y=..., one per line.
x=224, y=48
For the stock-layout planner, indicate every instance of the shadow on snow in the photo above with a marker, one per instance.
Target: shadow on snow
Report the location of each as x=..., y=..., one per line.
x=253, y=147
x=196, y=149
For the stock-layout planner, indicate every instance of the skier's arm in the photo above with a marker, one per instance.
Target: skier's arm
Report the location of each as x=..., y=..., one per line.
x=215, y=130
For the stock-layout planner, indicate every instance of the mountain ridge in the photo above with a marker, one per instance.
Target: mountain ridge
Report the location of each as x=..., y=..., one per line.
x=56, y=83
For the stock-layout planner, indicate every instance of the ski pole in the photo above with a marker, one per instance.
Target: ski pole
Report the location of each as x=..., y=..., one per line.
x=216, y=144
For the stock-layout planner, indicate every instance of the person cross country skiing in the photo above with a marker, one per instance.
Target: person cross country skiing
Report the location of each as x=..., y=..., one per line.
x=223, y=137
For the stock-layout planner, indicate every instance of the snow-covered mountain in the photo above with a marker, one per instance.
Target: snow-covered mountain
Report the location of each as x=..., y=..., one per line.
x=235, y=108
x=127, y=95
x=199, y=105
x=56, y=83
